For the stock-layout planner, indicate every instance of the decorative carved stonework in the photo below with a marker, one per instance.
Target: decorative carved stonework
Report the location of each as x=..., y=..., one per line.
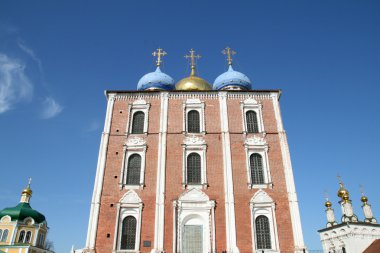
x=261, y=197
x=135, y=141
x=194, y=140
x=131, y=197
x=256, y=141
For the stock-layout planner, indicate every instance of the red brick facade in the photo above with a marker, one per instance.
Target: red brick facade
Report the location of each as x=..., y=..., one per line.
x=111, y=190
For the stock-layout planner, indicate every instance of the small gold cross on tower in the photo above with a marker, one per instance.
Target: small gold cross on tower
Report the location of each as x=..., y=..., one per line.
x=229, y=52
x=159, y=53
x=29, y=181
x=192, y=57
x=339, y=179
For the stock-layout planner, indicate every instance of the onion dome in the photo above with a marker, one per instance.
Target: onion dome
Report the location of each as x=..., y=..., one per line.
x=231, y=79
x=364, y=199
x=156, y=80
x=193, y=82
x=23, y=209
x=328, y=204
x=342, y=192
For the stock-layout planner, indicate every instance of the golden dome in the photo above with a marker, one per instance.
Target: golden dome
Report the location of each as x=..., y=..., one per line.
x=328, y=204
x=193, y=83
x=345, y=197
x=342, y=191
x=27, y=190
x=364, y=199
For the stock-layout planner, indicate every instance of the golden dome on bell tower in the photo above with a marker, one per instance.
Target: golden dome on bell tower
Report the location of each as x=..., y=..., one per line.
x=193, y=82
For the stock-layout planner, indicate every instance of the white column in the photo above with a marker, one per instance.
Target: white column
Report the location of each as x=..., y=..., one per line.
x=228, y=182
x=289, y=179
x=159, y=221
x=98, y=186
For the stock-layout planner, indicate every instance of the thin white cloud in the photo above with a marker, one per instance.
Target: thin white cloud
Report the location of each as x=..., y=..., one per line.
x=15, y=86
x=31, y=53
x=51, y=108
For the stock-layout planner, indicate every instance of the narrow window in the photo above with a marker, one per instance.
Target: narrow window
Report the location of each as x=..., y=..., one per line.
x=256, y=164
x=193, y=168
x=134, y=169
x=27, y=237
x=1, y=233
x=192, y=238
x=193, y=122
x=252, y=126
x=128, y=233
x=263, y=233
x=21, y=236
x=5, y=235
x=138, y=123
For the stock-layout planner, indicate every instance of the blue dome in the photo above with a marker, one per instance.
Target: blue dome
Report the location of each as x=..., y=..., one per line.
x=156, y=80
x=232, y=78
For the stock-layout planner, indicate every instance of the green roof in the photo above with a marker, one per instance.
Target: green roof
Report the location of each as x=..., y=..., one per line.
x=22, y=211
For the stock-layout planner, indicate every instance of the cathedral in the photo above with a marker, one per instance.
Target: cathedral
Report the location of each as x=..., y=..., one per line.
x=191, y=167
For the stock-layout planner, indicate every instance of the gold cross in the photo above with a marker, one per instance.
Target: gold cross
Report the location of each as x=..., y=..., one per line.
x=29, y=181
x=192, y=57
x=340, y=179
x=229, y=52
x=159, y=53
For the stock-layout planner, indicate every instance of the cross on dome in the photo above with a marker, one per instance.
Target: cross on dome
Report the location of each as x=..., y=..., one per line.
x=229, y=52
x=192, y=57
x=159, y=53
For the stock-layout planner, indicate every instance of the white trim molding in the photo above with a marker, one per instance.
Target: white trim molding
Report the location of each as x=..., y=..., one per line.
x=258, y=145
x=251, y=104
x=159, y=221
x=194, y=207
x=138, y=106
x=98, y=185
x=262, y=204
x=194, y=104
x=227, y=176
x=133, y=146
x=289, y=179
x=129, y=205
x=194, y=144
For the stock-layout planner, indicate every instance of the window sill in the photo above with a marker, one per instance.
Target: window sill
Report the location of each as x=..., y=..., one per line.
x=260, y=186
x=194, y=186
x=133, y=187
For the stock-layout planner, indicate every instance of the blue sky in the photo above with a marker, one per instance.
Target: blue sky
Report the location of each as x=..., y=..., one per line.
x=57, y=58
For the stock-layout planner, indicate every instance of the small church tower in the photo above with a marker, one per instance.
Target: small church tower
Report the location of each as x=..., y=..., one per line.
x=23, y=229
x=351, y=234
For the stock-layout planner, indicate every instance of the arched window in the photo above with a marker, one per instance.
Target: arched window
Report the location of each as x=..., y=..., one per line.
x=21, y=236
x=193, y=123
x=128, y=233
x=134, y=169
x=5, y=235
x=193, y=168
x=263, y=233
x=27, y=237
x=138, y=123
x=256, y=164
x=252, y=126
x=192, y=239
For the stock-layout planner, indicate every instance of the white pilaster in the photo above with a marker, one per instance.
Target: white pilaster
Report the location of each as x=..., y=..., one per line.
x=289, y=179
x=161, y=170
x=228, y=182
x=95, y=204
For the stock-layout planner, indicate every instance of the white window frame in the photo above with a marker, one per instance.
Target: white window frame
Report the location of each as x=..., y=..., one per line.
x=194, y=206
x=129, y=205
x=194, y=144
x=196, y=105
x=133, y=146
x=258, y=145
x=252, y=105
x=262, y=204
x=138, y=106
